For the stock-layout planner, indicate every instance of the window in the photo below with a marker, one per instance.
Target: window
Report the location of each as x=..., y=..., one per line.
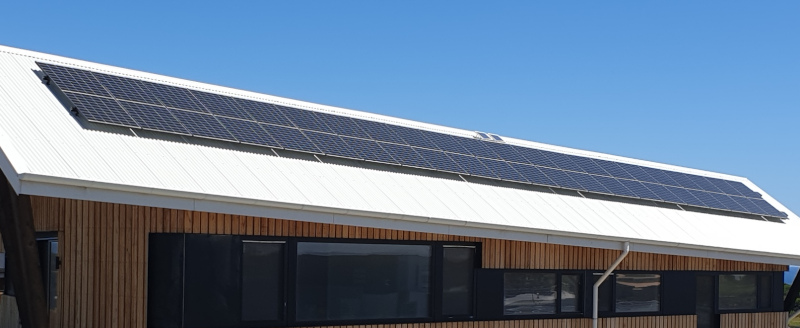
x=348, y=281
x=262, y=280
x=529, y=293
x=637, y=293
x=532, y=293
x=570, y=293
x=737, y=291
x=458, y=266
x=629, y=293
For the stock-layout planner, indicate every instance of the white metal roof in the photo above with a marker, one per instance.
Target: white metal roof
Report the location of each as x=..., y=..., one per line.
x=46, y=152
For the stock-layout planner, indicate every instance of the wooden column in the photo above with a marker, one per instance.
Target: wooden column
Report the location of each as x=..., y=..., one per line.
x=22, y=256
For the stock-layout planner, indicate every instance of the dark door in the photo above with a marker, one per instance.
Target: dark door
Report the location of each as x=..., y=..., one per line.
x=706, y=292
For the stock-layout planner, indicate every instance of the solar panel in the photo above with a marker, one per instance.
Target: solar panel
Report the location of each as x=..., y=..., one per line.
x=637, y=172
x=562, y=179
x=616, y=187
x=507, y=152
x=220, y=105
x=248, y=132
x=533, y=174
x=660, y=176
x=477, y=148
x=685, y=196
x=614, y=169
x=405, y=155
x=263, y=112
x=440, y=161
x=638, y=189
x=202, y=125
x=472, y=165
x=744, y=190
x=290, y=138
x=446, y=142
x=154, y=118
x=369, y=150
x=343, y=125
x=536, y=157
x=588, y=182
x=148, y=105
x=102, y=110
x=704, y=183
x=503, y=170
x=127, y=89
x=378, y=131
x=174, y=97
x=562, y=161
x=331, y=144
x=588, y=165
x=411, y=136
x=663, y=193
x=70, y=79
x=304, y=119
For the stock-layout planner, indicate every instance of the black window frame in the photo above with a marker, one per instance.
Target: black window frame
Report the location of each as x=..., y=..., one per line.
x=286, y=275
x=558, y=313
x=757, y=309
x=291, y=301
x=439, y=277
x=612, y=280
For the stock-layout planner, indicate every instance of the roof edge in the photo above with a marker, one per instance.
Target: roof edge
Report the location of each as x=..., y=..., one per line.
x=52, y=186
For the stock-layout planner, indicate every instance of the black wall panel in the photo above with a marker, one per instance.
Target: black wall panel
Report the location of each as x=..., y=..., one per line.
x=212, y=280
x=678, y=293
x=165, y=281
x=489, y=294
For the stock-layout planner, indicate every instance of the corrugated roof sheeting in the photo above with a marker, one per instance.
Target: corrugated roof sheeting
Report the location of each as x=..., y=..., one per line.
x=45, y=145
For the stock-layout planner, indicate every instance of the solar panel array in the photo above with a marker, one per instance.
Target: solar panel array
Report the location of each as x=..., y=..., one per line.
x=134, y=103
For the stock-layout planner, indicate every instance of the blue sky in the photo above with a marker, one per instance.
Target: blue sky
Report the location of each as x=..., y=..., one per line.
x=712, y=85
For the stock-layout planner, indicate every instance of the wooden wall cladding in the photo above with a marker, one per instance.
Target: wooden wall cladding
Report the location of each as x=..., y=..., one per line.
x=758, y=320
x=103, y=247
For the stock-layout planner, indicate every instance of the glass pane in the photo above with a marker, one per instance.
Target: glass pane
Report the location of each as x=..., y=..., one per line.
x=52, y=277
x=764, y=291
x=344, y=281
x=457, y=271
x=570, y=293
x=527, y=293
x=737, y=291
x=262, y=281
x=638, y=292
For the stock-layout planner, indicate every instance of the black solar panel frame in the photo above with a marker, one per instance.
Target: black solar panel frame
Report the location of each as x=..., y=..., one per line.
x=101, y=109
x=561, y=179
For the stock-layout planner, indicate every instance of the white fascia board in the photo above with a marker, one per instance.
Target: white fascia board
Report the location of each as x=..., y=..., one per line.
x=50, y=187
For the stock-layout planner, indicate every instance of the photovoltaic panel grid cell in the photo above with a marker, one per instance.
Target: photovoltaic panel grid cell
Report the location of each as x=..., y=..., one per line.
x=134, y=103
